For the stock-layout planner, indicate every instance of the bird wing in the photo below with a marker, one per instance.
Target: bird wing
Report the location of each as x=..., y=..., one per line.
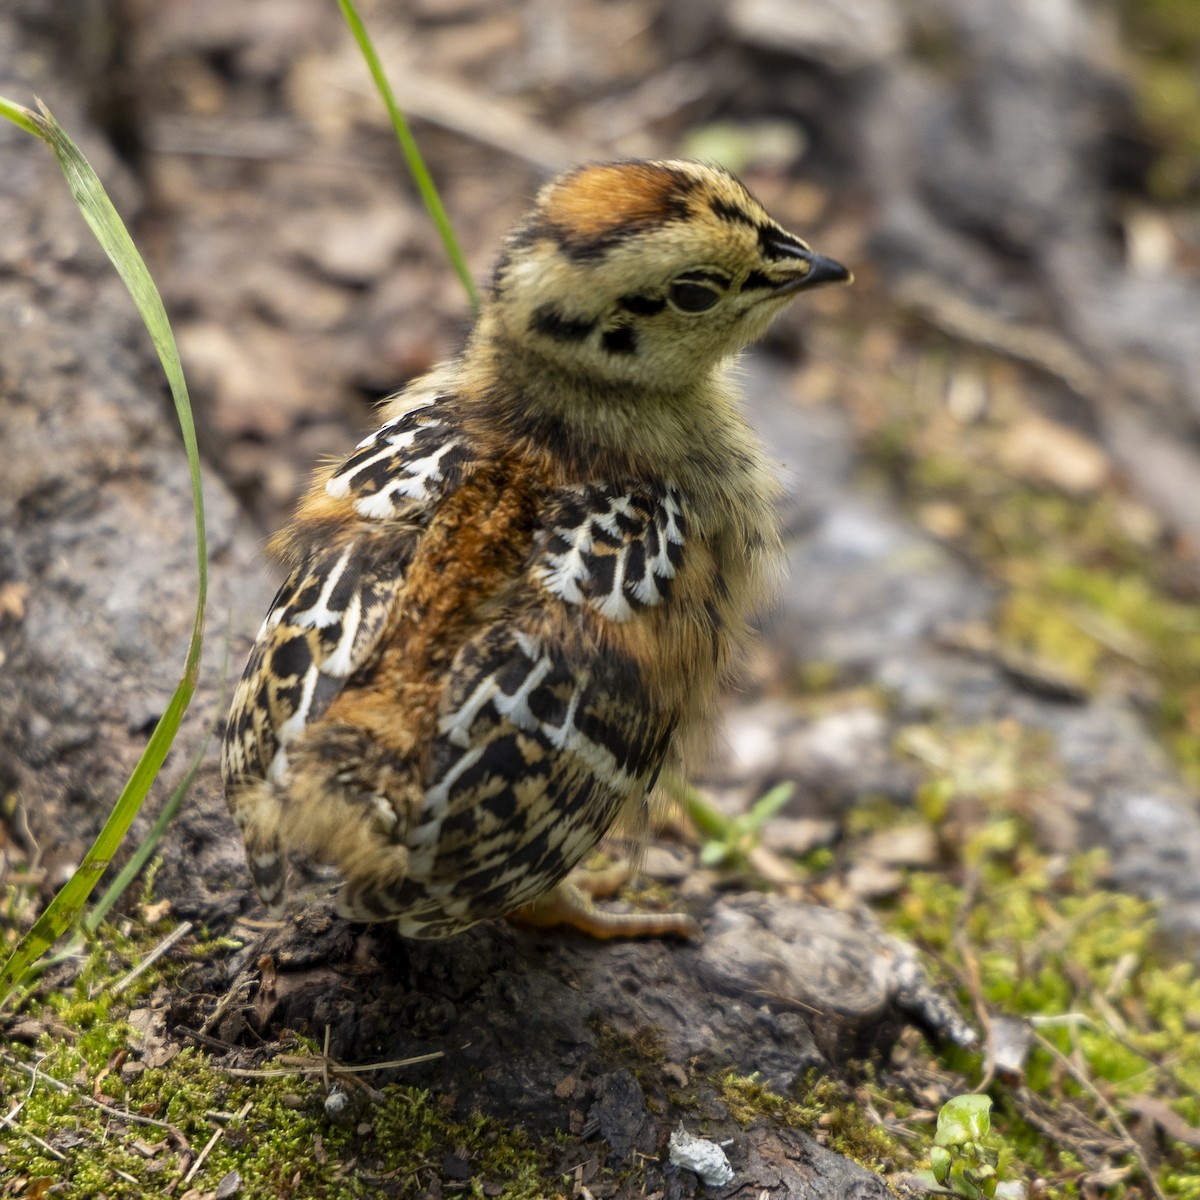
x=329, y=617
x=546, y=731
x=540, y=744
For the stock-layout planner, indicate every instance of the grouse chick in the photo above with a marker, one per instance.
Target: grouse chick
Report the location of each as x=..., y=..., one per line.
x=519, y=596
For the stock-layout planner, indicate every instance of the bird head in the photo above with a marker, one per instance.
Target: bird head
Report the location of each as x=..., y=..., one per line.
x=646, y=273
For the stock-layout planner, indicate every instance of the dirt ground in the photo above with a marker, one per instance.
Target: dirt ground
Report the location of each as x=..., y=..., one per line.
x=989, y=450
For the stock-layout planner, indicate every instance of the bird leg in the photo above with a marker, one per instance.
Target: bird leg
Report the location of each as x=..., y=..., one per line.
x=571, y=903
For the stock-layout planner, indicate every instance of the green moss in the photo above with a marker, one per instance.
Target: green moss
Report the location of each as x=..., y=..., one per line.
x=980, y=780
x=206, y=946
x=828, y=1111
x=273, y=1129
x=641, y=1051
x=273, y=1132
x=1039, y=626
x=1037, y=935
x=749, y=1099
x=1081, y=962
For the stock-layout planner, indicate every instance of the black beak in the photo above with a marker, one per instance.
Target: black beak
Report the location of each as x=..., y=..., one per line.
x=820, y=270
x=804, y=267
x=824, y=270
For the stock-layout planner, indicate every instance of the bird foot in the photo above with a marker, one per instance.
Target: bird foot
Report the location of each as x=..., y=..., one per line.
x=570, y=903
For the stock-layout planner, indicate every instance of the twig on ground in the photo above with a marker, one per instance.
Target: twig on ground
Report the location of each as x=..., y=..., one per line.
x=1107, y=1108
x=326, y=1067
x=237, y=990
x=176, y=935
x=212, y=1141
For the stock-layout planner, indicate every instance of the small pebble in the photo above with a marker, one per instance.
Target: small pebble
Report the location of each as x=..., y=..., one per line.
x=230, y=1186
x=338, y=1107
x=701, y=1156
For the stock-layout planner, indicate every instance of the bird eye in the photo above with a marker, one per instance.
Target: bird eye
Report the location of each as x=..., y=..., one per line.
x=691, y=297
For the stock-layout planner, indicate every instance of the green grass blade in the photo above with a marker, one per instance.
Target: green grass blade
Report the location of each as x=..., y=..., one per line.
x=22, y=117
x=130, y=871
x=412, y=155
x=100, y=214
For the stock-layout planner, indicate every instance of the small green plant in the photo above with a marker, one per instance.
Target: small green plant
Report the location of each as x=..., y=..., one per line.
x=959, y=1158
x=728, y=840
x=741, y=834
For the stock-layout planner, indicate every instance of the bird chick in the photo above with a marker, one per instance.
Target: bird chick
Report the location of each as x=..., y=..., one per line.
x=519, y=595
